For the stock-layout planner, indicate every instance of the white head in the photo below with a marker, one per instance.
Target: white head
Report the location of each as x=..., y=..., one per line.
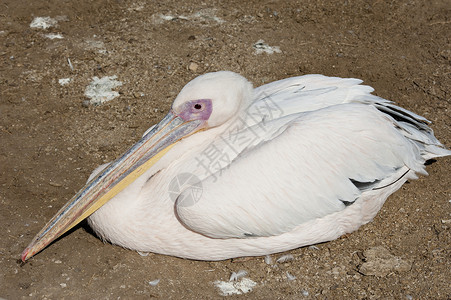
x=229, y=92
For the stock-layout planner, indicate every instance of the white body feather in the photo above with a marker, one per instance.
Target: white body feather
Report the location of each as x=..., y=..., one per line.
x=307, y=160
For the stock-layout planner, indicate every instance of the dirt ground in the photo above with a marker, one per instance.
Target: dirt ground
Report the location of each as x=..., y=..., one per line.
x=50, y=141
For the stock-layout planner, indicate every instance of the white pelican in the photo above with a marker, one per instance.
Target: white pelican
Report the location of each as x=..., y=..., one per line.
x=234, y=171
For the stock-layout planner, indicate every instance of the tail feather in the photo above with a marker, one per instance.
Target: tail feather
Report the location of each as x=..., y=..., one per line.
x=415, y=128
x=411, y=125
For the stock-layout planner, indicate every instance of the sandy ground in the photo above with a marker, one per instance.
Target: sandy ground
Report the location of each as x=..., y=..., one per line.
x=50, y=141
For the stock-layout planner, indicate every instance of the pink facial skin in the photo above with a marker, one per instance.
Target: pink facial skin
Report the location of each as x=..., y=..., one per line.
x=196, y=110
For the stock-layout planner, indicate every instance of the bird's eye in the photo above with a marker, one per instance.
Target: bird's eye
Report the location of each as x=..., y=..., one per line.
x=197, y=106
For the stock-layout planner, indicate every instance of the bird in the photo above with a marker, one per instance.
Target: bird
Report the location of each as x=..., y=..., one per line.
x=235, y=171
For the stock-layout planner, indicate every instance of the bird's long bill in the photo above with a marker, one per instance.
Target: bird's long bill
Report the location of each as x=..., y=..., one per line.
x=114, y=178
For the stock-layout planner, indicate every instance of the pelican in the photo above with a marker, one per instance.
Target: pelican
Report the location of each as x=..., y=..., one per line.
x=234, y=171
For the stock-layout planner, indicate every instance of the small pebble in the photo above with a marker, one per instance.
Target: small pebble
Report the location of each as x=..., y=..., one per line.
x=193, y=67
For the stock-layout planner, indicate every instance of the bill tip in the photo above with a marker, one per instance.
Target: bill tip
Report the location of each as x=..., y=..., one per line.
x=24, y=255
